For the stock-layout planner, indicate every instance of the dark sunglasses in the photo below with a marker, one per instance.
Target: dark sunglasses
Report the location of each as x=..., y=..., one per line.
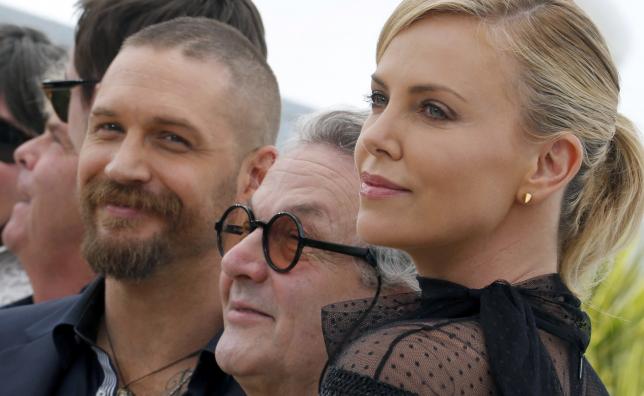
x=10, y=138
x=59, y=91
x=282, y=241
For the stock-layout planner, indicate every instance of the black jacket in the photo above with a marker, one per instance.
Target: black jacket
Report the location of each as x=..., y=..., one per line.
x=45, y=350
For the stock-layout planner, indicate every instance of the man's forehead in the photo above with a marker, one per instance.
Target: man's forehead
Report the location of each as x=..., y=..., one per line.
x=313, y=182
x=309, y=170
x=310, y=209
x=167, y=69
x=164, y=84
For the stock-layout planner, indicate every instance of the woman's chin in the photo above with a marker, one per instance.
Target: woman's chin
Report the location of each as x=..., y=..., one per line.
x=378, y=230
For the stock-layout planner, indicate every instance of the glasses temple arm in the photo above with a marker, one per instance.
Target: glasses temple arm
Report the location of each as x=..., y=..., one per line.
x=355, y=251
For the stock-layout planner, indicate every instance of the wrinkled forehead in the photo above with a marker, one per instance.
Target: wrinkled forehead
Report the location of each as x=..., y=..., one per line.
x=316, y=183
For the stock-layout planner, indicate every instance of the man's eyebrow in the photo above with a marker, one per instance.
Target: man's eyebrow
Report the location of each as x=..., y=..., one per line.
x=416, y=89
x=304, y=212
x=173, y=122
x=306, y=209
x=103, y=111
x=307, y=213
x=164, y=121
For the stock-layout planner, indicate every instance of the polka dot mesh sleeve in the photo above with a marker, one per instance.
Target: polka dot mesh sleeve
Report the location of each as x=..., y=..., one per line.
x=409, y=354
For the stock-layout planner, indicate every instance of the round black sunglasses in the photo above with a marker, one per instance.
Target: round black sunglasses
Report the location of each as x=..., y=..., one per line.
x=282, y=241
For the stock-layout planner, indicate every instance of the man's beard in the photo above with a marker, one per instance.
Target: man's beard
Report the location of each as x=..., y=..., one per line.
x=186, y=232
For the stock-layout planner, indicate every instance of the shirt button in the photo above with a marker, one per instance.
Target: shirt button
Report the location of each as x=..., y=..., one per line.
x=100, y=393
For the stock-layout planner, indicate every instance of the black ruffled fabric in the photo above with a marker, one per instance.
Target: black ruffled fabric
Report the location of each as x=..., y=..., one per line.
x=524, y=339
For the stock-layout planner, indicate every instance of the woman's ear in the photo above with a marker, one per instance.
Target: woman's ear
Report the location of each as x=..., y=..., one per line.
x=253, y=170
x=558, y=161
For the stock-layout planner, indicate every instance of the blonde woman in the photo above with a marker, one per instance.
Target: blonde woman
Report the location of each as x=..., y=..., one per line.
x=495, y=156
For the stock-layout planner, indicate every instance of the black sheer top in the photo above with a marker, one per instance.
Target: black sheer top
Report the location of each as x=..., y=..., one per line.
x=523, y=339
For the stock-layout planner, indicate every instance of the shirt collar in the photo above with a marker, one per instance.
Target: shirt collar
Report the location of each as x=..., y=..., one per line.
x=80, y=323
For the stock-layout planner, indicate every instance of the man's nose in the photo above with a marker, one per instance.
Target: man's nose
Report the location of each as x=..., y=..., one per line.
x=246, y=259
x=129, y=164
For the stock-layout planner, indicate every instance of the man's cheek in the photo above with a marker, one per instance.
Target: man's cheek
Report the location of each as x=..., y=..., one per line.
x=225, y=284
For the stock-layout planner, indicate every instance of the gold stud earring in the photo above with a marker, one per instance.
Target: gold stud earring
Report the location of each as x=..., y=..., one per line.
x=527, y=197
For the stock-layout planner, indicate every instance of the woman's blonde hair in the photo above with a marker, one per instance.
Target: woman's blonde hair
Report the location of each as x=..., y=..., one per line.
x=568, y=83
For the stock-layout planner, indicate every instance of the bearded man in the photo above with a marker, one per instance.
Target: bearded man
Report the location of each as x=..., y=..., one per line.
x=181, y=127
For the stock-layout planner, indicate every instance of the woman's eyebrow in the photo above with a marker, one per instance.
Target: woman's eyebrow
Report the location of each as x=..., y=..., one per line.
x=416, y=89
x=420, y=88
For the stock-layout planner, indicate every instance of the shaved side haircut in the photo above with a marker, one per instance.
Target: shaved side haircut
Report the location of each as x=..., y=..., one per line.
x=253, y=85
x=103, y=26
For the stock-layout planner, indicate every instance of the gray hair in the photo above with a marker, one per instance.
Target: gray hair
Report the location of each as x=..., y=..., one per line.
x=336, y=128
x=25, y=55
x=396, y=268
x=340, y=129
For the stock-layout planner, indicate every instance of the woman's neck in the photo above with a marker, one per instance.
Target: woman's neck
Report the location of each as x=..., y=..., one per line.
x=512, y=253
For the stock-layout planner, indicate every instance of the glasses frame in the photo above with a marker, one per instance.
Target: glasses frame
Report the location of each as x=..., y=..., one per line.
x=50, y=87
x=303, y=241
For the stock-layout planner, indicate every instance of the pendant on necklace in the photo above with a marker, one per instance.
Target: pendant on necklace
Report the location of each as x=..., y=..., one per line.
x=124, y=392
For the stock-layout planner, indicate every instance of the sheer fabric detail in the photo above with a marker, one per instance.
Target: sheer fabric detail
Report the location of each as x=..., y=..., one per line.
x=349, y=383
x=428, y=344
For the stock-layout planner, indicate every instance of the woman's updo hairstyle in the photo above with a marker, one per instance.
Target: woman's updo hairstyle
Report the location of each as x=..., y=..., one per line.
x=567, y=83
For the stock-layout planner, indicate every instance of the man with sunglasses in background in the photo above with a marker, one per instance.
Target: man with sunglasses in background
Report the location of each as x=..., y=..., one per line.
x=26, y=56
x=292, y=250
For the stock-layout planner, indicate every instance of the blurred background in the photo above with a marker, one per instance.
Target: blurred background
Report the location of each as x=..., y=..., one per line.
x=323, y=53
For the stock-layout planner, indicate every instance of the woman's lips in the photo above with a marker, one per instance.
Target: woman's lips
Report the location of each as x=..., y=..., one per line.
x=374, y=186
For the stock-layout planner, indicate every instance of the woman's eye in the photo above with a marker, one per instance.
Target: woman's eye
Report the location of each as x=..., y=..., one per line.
x=376, y=99
x=434, y=111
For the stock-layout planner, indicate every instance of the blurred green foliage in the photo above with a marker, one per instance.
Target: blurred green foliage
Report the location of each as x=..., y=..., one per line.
x=616, y=308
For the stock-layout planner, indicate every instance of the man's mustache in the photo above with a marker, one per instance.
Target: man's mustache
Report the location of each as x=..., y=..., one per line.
x=107, y=192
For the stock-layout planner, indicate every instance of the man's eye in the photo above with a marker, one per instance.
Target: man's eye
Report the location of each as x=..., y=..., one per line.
x=175, y=139
x=109, y=127
x=235, y=229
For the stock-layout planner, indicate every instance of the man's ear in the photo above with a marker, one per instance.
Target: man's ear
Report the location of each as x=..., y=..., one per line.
x=557, y=163
x=253, y=170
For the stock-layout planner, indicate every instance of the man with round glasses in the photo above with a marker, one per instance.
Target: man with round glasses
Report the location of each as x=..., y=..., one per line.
x=291, y=250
